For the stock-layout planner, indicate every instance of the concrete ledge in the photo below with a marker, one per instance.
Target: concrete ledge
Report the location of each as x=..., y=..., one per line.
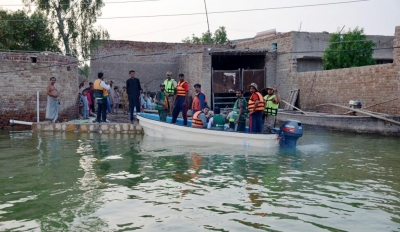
x=107, y=128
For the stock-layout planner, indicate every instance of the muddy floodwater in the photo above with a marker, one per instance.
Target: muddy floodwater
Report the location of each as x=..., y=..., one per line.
x=92, y=182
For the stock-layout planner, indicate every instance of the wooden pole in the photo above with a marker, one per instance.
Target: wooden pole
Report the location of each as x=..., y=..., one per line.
x=294, y=107
x=364, y=112
x=348, y=112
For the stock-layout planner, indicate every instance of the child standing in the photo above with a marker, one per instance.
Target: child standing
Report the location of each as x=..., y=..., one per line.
x=117, y=99
x=85, y=103
x=124, y=100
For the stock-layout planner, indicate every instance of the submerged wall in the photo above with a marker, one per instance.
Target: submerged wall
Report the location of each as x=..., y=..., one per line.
x=23, y=74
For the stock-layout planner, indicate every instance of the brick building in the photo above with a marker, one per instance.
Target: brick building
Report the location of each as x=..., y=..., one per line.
x=289, y=60
x=22, y=75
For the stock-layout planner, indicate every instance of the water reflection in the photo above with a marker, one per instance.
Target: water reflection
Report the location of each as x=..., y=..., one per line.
x=99, y=182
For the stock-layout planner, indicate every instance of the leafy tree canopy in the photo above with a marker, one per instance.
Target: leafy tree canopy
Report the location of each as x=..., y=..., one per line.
x=351, y=49
x=29, y=33
x=219, y=37
x=73, y=23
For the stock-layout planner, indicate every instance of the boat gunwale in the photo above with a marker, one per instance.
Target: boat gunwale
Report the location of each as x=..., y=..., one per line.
x=213, y=132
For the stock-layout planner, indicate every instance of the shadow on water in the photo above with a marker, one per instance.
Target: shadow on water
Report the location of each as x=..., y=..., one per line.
x=103, y=182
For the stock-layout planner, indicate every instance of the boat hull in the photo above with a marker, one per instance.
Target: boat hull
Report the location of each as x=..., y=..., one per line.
x=171, y=131
x=359, y=124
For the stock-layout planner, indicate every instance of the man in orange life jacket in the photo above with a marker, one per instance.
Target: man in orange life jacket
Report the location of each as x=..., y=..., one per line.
x=199, y=119
x=256, y=108
x=199, y=100
x=181, y=100
x=101, y=93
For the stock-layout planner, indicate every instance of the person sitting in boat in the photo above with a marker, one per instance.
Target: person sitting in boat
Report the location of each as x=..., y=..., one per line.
x=199, y=99
x=256, y=109
x=217, y=122
x=199, y=119
x=161, y=103
x=272, y=100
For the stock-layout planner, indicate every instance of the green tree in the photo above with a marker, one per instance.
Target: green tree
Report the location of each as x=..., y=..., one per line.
x=351, y=49
x=22, y=32
x=220, y=37
x=73, y=23
x=85, y=71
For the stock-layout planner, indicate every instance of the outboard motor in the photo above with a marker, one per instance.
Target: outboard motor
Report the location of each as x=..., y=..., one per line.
x=289, y=133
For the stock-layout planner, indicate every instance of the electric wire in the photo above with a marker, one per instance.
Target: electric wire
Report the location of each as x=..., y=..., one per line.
x=65, y=4
x=215, y=12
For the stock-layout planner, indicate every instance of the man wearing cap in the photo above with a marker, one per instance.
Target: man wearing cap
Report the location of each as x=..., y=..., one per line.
x=272, y=100
x=101, y=92
x=256, y=108
x=161, y=103
x=170, y=88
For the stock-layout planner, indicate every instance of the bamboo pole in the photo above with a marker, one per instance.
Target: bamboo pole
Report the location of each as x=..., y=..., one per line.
x=348, y=112
x=364, y=112
x=294, y=107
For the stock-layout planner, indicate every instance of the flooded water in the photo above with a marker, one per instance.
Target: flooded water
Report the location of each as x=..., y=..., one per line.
x=72, y=182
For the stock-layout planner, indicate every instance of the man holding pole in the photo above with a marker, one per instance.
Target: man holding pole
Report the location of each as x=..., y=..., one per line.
x=239, y=113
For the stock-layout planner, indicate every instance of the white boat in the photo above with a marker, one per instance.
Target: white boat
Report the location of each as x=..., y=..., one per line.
x=155, y=128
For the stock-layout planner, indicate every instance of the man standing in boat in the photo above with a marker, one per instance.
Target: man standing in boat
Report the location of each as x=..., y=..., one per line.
x=161, y=103
x=170, y=88
x=256, y=109
x=199, y=100
x=239, y=113
x=181, y=101
x=272, y=100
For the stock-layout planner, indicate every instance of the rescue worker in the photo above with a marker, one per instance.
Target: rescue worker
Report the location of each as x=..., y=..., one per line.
x=170, y=88
x=240, y=111
x=199, y=119
x=199, y=100
x=161, y=103
x=181, y=100
x=272, y=100
x=256, y=108
x=101, y=93
x=217, y=122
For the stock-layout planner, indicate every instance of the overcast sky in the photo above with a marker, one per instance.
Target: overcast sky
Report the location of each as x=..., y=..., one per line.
x=377, y=17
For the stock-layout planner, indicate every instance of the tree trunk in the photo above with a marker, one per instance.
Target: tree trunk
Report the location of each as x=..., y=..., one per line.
x=62, y=32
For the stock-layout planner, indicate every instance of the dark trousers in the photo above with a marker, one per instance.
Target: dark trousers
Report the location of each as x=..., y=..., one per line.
x=256, y=122
x=240, y=127
x=180, y=106
x=163, y=115
x=101, y=110
x=132, y=106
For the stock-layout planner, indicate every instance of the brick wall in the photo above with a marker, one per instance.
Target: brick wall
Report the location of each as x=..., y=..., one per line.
x=280, y=63
x=21, y=79
x=370, y=84
x=150, y=60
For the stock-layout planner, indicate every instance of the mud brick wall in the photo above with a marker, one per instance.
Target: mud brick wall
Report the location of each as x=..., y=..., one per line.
x=150, y=60
x=370, y=84
x=279, y=63
x=21, y=78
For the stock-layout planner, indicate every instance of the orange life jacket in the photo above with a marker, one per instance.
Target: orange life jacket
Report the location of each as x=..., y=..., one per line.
x=97, y=87
x=261, y=103
x=196, y=102
x=196, y=121
x=180, y=90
